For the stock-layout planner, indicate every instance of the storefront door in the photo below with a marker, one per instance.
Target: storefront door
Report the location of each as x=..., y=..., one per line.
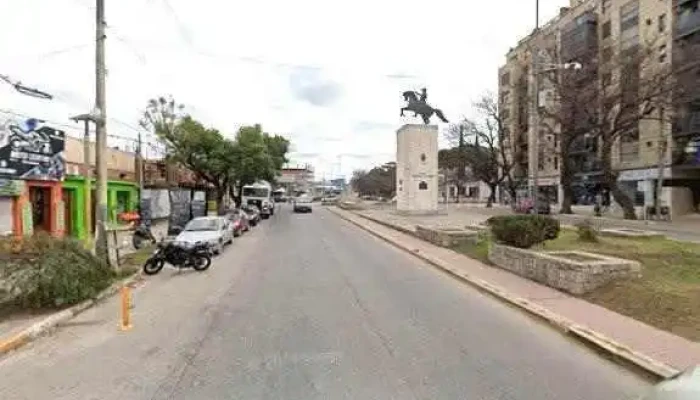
x=68, y=202
x=39, y=197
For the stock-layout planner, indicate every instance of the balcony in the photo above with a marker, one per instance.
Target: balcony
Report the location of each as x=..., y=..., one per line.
x=688, y=19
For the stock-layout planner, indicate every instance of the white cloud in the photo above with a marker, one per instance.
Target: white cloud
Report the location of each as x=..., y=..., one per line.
x=236, y=63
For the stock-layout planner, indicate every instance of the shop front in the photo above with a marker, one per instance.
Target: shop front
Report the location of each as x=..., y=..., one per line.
x=122, y=197
x=10, y=191
x=32, y=153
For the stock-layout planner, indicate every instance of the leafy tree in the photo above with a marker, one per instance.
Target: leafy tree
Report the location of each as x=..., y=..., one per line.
x=277, y=147
x=379, y=181
x=252, y=160
x=224, y=163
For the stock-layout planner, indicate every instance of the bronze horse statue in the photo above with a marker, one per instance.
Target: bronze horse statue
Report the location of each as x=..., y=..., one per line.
x=420, y=107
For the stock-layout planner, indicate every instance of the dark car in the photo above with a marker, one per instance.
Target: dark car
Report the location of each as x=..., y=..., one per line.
x=253, y=214
x=239, y=222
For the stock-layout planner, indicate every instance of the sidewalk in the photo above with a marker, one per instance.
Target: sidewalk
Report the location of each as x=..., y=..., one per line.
x=459, y=215
x=654, y=350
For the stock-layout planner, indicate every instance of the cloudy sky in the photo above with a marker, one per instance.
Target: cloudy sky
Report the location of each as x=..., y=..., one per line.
x=327, y=74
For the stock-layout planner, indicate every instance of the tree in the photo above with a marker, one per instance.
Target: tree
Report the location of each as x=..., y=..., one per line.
x=600, y=106
x=252, y=160
x=162, y=115
x=379, y=181
x=203, y=151
x=277, y=147
x=222, y=162
x=485, y=147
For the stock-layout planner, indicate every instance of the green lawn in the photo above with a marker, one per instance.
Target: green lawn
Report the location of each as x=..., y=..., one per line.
x=668, y=294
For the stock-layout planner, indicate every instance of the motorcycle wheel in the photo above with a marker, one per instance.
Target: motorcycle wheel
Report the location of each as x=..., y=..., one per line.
x=153, y=266
x=201, y=262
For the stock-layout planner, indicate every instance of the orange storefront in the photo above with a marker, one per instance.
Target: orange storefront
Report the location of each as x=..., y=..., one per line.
x=39, y=207
x=31, y=173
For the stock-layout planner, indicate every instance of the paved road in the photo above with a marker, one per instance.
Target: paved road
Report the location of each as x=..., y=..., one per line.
x=310, y=307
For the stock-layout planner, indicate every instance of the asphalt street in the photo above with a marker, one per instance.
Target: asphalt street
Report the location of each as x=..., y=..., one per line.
x=308, y=306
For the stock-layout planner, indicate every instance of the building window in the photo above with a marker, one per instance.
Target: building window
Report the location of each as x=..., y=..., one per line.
x=629, y=16
x=423, y=185
x=422, y=157
x=505, y=79
x=607, y=28
x=662, y=53
x=556, y=163
x=606, y=54
x=662, y=22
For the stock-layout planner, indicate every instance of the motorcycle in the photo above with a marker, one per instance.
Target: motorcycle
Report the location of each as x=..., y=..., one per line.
x=180, y=256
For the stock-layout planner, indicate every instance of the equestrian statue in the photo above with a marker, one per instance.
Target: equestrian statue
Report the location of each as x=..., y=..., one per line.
x=417, y=102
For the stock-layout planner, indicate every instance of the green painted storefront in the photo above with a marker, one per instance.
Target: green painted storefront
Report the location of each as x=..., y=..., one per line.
x=121, y=197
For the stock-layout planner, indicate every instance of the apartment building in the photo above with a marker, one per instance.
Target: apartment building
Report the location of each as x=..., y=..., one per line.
x=593, y=33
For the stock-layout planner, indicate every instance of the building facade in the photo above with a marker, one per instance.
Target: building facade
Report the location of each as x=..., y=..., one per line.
x=296, y=179
x=593, y=33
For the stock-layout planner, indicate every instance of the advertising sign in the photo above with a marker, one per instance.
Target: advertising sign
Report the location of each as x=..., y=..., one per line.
x=32, y=151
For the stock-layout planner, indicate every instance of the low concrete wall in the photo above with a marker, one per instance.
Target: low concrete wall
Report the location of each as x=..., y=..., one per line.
x=575, y=272
x=630, y=233
x=446, y=237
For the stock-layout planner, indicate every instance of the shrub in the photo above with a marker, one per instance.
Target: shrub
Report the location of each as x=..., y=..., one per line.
x=523, y=231
x=46, y=272
x=550, y=226
x=586, y=231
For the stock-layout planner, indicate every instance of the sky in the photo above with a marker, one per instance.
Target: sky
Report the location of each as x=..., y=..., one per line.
x=326, y=74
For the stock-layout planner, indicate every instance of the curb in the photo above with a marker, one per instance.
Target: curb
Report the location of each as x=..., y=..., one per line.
x=51, y=323
x=581, y=333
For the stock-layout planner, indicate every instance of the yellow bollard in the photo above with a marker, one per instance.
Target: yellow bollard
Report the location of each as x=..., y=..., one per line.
x=126, y=308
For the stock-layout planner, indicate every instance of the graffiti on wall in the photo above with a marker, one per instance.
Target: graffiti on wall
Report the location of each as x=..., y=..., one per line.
x=31, y=150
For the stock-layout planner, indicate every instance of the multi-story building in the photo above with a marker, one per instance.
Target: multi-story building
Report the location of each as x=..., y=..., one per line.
x=296, y=178
x=593, y=34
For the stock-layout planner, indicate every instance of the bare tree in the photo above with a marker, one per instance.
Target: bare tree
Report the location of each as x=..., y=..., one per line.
x=485, y=147
x=602, y=105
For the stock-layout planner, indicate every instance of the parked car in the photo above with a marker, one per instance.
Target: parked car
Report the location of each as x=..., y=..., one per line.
x=215, y=231
x=253, y=214
x=526, y=205
x=239, y=222
x=303, y=204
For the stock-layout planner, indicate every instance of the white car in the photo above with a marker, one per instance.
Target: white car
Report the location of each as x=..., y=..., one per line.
x=303, y=204
x=215, y=231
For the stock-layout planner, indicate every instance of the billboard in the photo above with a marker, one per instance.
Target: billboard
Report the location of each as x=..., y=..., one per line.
x=31, y=150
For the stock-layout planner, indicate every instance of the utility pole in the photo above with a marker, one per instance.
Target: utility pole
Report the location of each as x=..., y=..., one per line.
x=101, y=249
x=535, y=113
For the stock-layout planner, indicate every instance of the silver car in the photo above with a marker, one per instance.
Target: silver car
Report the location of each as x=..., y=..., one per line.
x=215, y=231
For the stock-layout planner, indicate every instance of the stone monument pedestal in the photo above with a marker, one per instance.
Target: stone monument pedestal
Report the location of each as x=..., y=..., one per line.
x=417, y=169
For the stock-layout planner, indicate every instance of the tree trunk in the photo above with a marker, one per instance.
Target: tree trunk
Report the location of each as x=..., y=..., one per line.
x=492, y=196
x=610, y=180
x=220, y=194
x=566, y=182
